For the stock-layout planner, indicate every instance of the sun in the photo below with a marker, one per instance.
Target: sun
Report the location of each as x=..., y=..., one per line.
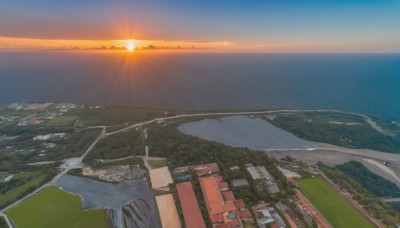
x=130, y=46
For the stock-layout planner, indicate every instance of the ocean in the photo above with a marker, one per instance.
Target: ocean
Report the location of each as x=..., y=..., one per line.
x=364, y=83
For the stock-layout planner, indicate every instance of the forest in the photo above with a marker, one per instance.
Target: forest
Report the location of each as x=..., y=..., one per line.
x=369, y=180
x=340, y=129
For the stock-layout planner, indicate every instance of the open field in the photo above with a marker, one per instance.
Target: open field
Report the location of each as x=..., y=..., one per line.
x=158, y=163
x=338, y=211
x=64, y=120
x=114, y=115
x=53, y=207
x=10, y=196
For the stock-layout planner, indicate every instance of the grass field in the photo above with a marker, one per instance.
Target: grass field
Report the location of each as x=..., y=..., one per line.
x=53, y=207
x=338, y=211
x=62, y=121
x=15, y=193
x=158, y=163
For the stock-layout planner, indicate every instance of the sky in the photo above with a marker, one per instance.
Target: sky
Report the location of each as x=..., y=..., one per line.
x=226, y=25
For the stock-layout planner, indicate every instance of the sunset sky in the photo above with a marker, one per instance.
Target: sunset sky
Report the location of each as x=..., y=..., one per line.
x=223, y=25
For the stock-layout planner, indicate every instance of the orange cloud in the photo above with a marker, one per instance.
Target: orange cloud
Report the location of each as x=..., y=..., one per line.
x=33, y=43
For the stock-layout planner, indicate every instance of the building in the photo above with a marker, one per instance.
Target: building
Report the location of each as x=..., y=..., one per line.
x=294, y=220
x=190, y=207
x=223, y=209
x=244, y=213
x=182, y=169
x=259, y=172
x=228, y=196
x=200, y=170
x=282, y=207
x=267, y=216
x=263, y=214
x=205, y=169
x=309, y=212
x=278, y=219
x=240, y=183
x=288, y=173
x=273, y=188
x=223, y=186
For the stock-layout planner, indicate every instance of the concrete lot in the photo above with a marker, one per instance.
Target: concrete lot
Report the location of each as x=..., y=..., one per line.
x=168, y=213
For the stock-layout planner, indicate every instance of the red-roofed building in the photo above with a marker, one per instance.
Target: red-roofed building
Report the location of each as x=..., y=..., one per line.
x=205, y=169
x=223, y=186
x=239, y=204
x=212, y=195
x=223, y=210
x=229, y=206
x=228, y=196
x=224, y=225
x=218, y=179
x=274, y=225
x=220, y=218
x=245, y=215
x=236, y=223
x=190, y=207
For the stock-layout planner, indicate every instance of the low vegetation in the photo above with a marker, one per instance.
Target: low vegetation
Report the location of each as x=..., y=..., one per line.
x=53, y=207
x=118, y=145
x=3, y=223
x=115, y=115
x=395, y=206
x=64, y=120
x=376, y=184
x=340, y=129
x=338, y=211
x=158, y=163
x=22, y=184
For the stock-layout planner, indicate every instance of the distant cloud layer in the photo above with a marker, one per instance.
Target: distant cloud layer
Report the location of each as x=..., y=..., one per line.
x=251, y=25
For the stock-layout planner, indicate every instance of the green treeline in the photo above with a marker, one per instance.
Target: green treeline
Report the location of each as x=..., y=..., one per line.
x=369, y=180
x=3, y=223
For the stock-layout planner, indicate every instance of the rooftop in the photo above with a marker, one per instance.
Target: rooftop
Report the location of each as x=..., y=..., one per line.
x=240, y=182
x=212, y=195
x=228, y=196
x=190, y=207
